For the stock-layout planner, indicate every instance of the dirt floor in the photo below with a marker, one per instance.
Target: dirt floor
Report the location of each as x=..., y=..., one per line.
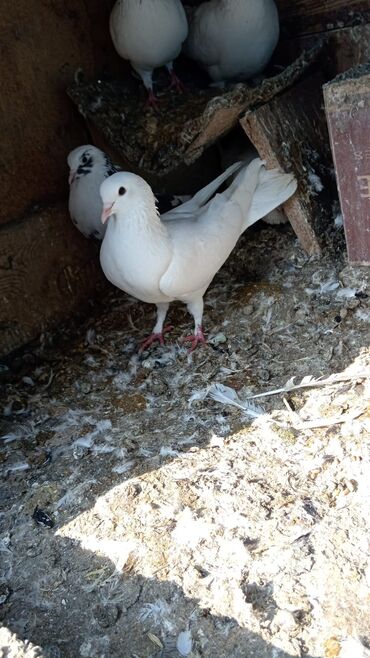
x=142, y=518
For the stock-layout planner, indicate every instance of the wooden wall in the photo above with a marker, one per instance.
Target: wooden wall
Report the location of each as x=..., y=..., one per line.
x=303, y=17
x=42, y=43
x=47, y=268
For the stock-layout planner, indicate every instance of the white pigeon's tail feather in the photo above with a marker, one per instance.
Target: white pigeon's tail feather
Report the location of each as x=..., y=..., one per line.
x=244, y=187
x=258, y=191
x=191, y=207
x=273, y=189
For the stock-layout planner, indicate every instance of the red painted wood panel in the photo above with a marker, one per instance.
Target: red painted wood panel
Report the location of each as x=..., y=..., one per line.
x=347, y=103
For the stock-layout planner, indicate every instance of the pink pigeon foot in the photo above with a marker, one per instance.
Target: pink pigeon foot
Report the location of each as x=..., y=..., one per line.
x=152, y=101
x=176, y=83
x=195, y=339
x=154, y=338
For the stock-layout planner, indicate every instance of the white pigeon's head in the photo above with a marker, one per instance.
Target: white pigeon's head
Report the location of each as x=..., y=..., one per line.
x=84, y=159
x=123, y=192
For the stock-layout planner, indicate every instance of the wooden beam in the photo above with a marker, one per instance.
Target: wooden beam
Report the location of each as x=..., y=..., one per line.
x=47, y=270
x=298, y=17
x=347, y=103
x=290, y=133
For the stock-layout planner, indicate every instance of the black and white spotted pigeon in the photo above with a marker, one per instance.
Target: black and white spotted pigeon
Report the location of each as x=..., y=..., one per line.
x=88, y=167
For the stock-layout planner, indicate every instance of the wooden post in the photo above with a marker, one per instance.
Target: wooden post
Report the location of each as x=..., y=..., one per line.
x=347, y=103
x=290, y=133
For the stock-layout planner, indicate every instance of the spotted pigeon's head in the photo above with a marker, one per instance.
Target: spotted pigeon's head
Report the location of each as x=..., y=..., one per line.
x=84, y=159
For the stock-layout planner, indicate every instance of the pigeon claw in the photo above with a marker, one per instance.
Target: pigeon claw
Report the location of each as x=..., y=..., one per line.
x=177, y=84
x=154, y=338
x=195, y=339
x=152, y=101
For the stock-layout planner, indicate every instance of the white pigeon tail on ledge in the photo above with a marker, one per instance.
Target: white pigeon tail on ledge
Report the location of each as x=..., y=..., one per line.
x=159, y=262
x=149, y=33
x=233, y=39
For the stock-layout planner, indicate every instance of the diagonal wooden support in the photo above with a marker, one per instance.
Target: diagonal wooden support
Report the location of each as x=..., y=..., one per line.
x=290, y=133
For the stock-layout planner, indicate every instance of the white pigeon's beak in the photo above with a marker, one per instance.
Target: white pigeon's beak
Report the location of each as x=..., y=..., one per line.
x=107, y=212
x=72, y=175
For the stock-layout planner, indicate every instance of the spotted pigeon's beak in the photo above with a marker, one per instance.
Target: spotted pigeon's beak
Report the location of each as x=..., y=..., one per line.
x=72, y=175
x=107, y=212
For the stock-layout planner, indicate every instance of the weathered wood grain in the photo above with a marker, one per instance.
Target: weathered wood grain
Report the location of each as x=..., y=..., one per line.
x=347, y=103
x=42, y=44
x=47, y=269
x=290, y=133
x=313, y=16
x=346, y=48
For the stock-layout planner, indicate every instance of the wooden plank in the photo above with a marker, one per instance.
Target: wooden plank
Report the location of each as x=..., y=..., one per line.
x=345, y=48
x=347, y=103
x=313, y=16
x=290, y=133
x=194, y=121
x=47, y=269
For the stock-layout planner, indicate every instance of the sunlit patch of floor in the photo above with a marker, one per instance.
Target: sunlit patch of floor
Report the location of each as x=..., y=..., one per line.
x=176, y=514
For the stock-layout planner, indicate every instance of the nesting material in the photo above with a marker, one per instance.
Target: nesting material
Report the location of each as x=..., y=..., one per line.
x=187, y=123
x=173, y=524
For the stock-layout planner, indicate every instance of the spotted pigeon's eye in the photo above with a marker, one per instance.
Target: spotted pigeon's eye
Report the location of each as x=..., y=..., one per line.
x=84, y=159
x=122, y=191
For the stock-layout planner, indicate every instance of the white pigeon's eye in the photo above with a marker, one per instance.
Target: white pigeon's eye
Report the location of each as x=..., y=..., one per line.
x=84, y=159
x=122, y=191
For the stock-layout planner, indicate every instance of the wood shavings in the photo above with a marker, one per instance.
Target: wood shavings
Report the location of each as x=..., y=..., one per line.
x=248, y=533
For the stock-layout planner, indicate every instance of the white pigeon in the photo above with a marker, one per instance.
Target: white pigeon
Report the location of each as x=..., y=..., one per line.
x=149, y=33
x=159, y=262
x=88, y=167
x=233, y=38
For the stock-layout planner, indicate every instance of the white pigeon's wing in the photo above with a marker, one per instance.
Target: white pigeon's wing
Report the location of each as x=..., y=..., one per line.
x=273, y=189
x=190, y=208
x=200, y=248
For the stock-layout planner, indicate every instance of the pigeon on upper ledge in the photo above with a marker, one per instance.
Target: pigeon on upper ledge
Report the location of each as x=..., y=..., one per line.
x=232, y=39
x=162, y=261
x=149, y=34
x=88, y=168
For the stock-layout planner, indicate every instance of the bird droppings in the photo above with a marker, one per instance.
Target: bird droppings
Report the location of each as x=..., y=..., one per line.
x=182, y=525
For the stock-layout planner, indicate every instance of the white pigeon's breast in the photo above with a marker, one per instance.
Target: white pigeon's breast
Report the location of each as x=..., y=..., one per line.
x=235, y=38
x=134, y=263
x=148, y=33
